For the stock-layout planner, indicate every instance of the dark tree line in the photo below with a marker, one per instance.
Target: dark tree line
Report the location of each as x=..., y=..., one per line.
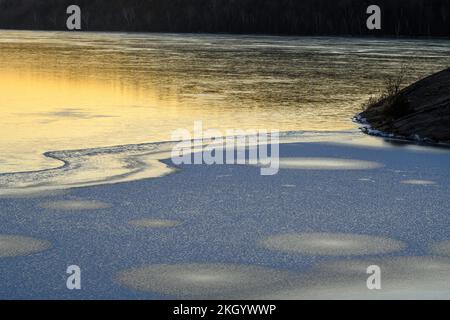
x=299, y=17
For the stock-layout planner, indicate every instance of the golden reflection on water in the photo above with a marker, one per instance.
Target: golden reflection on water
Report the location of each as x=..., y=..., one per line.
x=64, y=91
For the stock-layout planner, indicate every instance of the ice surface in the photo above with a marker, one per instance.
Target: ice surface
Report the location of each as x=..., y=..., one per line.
x=339, y=222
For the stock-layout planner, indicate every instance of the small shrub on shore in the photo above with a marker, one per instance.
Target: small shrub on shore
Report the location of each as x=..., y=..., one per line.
x=390, y=102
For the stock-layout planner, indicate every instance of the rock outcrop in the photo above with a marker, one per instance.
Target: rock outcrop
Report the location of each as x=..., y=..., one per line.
x=418, y=112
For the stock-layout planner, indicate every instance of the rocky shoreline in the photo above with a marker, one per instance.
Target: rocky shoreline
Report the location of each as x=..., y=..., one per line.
x=419, y=112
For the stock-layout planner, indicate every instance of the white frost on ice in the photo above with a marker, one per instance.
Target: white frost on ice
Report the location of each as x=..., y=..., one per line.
x=441, y=248
x=154, y=223
x=401, y=278
x=419, y=182
x=75, y=205
x=331, y=244
x=14, y=245
x=204, y=281
x=327, y=164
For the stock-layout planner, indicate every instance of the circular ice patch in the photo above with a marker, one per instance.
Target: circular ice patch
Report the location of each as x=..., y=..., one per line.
x=25, y=194
x=405, y=266
x=419, y=182
x=332, y=244
x=441, y=248
x=203, y=280
x=327, y=164
x=401, y=278
x=154, y=223
x=75, y=205
x=12, y=245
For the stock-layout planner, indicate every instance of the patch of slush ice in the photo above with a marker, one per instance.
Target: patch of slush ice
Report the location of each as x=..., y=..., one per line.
x=327, y=164
x=35, y=194
x=13, y=245
x=332, y=244
x=109, y=165
x=441, y=248
x=366, y=180
x=91, y=167
x=419, y=182
x=154, y=223
x=401, y=278
x=196, y=281
x=75, y=205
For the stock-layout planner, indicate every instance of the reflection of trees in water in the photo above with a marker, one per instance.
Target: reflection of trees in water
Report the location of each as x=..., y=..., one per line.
x=312, y=17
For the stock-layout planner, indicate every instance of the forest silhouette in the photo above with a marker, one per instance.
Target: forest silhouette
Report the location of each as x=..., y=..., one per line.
x=290, y=17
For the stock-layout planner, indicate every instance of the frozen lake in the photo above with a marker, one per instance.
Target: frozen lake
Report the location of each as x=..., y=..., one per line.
x=102, y=108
